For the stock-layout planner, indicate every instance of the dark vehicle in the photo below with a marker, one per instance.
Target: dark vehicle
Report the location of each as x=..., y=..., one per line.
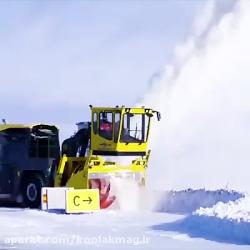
x=28, y=160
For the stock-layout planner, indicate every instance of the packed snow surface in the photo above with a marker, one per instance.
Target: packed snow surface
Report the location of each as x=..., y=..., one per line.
x=179, y=222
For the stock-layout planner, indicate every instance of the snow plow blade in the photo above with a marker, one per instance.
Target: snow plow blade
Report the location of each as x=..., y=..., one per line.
x=70, y=200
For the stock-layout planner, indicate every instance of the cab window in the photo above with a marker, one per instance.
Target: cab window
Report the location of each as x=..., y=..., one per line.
x=95, y=123
x=106, y=125
x=43, y=143
x=1, y=152
x=134, y=128
x=117, y=126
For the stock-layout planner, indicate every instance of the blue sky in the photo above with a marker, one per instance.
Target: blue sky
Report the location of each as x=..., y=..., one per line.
x=57, y=57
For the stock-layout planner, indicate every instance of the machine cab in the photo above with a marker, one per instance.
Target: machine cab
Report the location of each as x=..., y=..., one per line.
x=120, y=130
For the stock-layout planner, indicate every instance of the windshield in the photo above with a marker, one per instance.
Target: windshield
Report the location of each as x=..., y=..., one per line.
x=134, y=128
x=44, y=142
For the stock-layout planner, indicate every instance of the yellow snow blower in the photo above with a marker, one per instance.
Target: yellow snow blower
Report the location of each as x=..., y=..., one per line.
x=92, y=156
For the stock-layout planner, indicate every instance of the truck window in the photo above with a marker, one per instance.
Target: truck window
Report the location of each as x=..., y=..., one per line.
x=95, y=123
x=117, y=126
x=1, y=152
x=43, y=144
x=134, y=128
x=106, y=125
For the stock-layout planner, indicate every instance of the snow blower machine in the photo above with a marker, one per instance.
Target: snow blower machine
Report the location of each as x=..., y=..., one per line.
x=93, y=156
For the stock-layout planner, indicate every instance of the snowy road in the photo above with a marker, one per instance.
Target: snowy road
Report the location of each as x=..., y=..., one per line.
x=29, y=229
x=34, y=229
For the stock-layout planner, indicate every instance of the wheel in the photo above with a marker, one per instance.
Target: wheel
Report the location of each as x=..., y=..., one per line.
x=31, y=190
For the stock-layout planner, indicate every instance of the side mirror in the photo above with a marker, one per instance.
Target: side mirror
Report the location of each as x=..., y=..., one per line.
x=158, y=116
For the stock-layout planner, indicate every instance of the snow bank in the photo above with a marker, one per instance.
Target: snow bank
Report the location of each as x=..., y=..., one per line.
x=238, y=210
x=225, y=221
x=189, y=200
x=222, y=215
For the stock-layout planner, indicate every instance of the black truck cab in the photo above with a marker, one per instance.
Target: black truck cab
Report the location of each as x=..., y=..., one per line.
x=28, y=161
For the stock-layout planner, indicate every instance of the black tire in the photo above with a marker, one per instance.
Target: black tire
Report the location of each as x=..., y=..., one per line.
x=31, y=190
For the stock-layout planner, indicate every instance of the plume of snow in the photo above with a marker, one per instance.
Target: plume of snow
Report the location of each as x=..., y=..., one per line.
x=203, y=139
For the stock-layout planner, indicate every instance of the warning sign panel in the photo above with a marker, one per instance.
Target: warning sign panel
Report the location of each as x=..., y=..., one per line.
x=82, y=200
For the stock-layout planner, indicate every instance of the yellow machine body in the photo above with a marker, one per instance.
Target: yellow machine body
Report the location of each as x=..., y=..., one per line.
x=115, y=132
